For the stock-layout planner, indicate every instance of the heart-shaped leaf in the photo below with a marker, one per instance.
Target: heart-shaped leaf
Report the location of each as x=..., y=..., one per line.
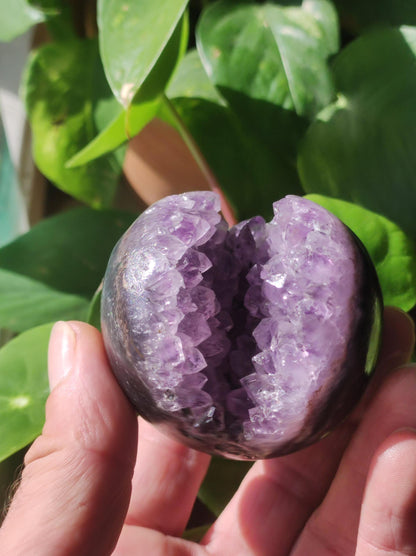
x=361, y=148
x=68, y=103
x=133, y=36
x=23, y=389
x=392, y=252
x=271, y=53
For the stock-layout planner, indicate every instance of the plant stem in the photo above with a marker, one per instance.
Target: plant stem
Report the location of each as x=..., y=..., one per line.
x=175, y=120
x=171, y=116
x=60, y=25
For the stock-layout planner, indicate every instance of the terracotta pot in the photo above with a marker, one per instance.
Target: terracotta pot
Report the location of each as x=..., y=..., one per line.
x=159, y=163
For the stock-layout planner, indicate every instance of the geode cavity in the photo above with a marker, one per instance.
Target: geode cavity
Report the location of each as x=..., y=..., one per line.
x=248, y=342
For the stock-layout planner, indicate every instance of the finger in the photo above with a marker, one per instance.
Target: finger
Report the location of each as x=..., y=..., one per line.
x=388, y=514
x=278, y=496
x=139, y=540
x=397, y=348
x=333, y=527
x=165, y=482
x=274, y=501
x=75, y=487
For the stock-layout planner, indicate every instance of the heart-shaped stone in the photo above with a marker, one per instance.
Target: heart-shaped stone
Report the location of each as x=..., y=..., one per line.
x=248, y=342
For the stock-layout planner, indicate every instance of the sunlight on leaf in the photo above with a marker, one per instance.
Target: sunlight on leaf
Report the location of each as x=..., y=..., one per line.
x=362, y=150
x=68, y=103
x=133, y=35
x=23, y=389
x=271, y=53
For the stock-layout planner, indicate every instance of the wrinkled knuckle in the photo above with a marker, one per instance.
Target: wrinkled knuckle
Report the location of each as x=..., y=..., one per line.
x=40, y=450
x=325, y=544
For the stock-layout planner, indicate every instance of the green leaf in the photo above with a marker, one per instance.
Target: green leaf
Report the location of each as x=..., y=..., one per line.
x=392, y=252
x=23, y=389
x=94, y=310
x=59, y=18
x=196, y=533
x=192, y=81
x=133, y=35
x=357, y=14
x=67, y=252
x=52, y=272
x=269, y=67
x=25, y=303
x=252, y=153
x=20, y=15
x=361, y=148
x=327, y=18
x=221, y=482
x=117, y=132
x=271, y=53
x=49, y=7
x=17, y=17
x=144, y=106
x=69, y=102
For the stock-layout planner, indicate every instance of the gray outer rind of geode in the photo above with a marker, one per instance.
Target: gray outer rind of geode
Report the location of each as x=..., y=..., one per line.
x=250, y=342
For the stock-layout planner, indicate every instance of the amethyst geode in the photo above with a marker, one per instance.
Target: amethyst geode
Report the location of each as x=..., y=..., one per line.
x=248, y=342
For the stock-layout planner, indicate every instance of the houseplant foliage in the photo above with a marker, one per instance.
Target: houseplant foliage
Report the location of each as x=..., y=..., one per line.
x=274, y=98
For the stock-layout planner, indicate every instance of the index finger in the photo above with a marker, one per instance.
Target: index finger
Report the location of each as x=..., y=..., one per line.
x=166, y=481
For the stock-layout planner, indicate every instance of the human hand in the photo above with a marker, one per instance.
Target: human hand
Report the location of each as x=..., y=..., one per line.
x=82, y=491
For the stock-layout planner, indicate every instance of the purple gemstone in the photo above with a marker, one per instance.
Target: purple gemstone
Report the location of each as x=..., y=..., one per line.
x=195, y=327
x=249, y=342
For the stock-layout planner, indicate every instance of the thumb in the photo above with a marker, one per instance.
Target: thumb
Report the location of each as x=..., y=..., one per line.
x=75, y=487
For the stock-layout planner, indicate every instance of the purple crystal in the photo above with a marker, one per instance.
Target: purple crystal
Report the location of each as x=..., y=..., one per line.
x=249, y=342
x=194, y=326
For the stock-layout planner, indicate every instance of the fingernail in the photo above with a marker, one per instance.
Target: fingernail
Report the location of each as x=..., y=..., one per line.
x=61, y=354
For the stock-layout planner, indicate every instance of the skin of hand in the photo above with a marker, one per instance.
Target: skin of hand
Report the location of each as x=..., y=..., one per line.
x=98, y=481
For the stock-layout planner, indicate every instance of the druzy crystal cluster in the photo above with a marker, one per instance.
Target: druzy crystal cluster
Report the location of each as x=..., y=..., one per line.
x=249, y=342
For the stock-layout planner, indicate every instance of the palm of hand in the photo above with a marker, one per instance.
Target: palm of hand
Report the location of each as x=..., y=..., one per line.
x=86, y=489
